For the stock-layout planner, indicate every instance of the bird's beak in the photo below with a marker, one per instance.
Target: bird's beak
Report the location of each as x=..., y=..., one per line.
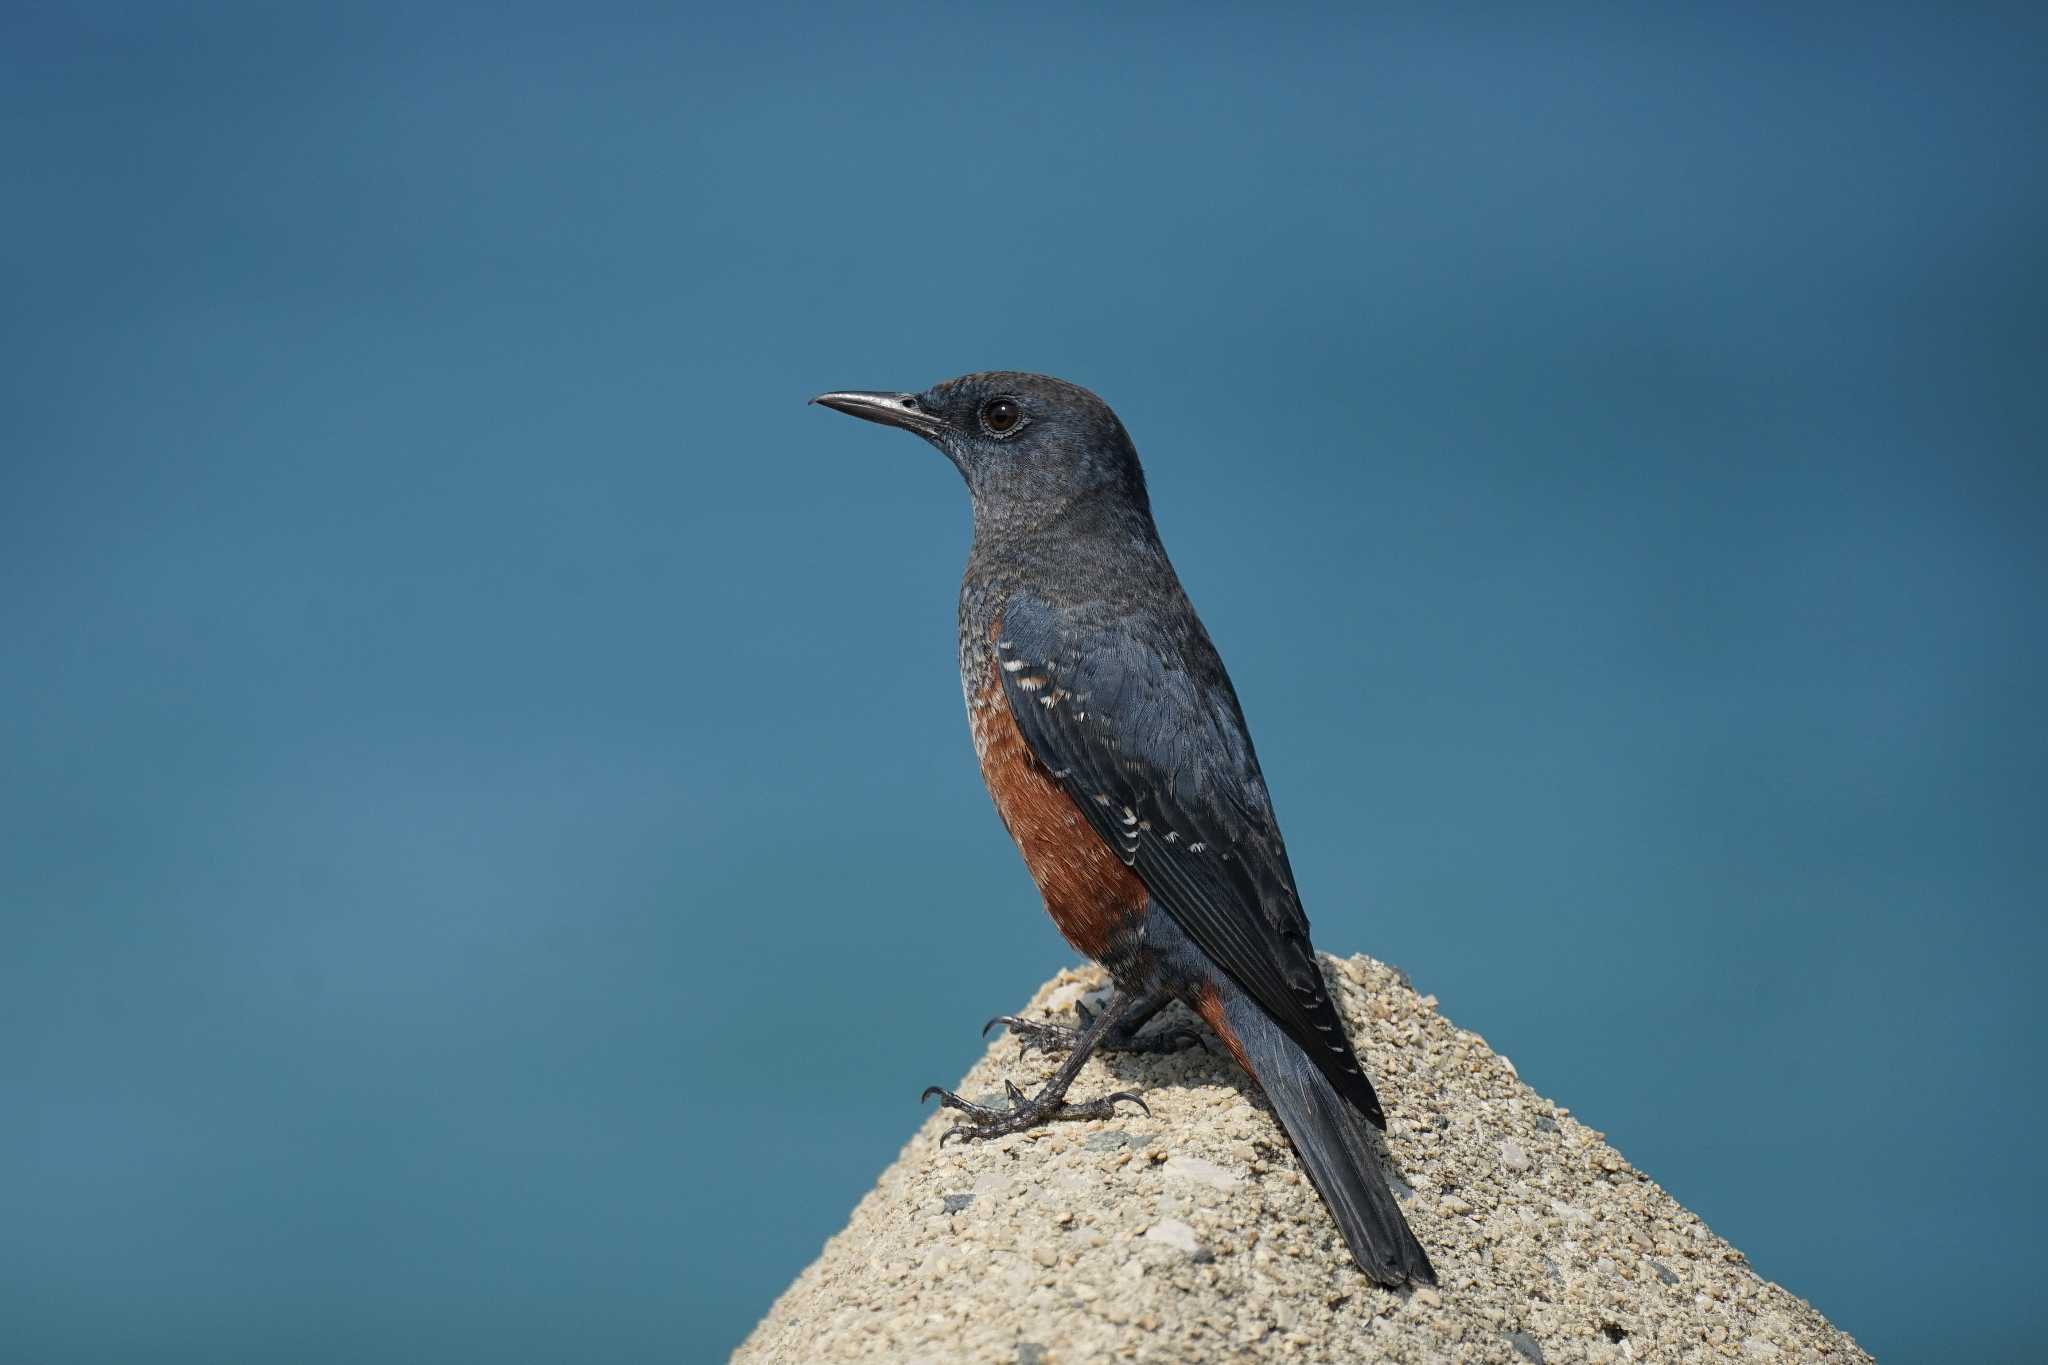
x=890, y=409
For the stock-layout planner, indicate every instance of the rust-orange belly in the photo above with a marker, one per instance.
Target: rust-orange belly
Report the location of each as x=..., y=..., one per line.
x=1089, y=892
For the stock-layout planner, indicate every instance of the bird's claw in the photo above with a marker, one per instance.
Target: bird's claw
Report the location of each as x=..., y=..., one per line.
x=1025, y=1112
x=1180, y=1038
x=1050, y=1038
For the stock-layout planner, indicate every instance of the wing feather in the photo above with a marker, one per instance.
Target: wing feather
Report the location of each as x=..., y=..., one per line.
x=1145, y=734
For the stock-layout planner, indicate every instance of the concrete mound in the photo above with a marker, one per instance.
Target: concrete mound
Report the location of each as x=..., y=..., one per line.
x=1192, y=1235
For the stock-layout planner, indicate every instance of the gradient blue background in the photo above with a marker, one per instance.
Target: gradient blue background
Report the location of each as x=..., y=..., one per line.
x=489, y=851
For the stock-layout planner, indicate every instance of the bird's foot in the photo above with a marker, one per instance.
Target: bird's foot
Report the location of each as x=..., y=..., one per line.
x=1050, y=1038
x=985, y=1121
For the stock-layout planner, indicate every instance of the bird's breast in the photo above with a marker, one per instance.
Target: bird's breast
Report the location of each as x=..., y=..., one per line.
x=1096, y=901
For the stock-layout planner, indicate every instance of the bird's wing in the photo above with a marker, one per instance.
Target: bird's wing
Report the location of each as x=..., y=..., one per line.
x=1139, y=725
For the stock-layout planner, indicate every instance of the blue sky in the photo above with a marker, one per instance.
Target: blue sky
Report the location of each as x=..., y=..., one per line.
x=493, y=852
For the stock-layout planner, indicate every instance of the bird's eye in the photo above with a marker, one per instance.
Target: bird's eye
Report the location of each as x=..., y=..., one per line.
x=1000, y=416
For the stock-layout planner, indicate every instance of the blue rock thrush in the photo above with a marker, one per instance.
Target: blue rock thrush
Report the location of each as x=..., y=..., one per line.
x=1113, y=744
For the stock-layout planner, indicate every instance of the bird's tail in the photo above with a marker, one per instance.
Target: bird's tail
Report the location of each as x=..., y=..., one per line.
x=1330, y=1137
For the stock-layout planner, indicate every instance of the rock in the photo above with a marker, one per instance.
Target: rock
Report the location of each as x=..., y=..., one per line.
x=1549, y=1246
x=1174, y=1233
x=1202, y=1172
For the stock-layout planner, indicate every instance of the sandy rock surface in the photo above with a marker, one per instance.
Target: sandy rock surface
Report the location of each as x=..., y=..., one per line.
x=1192, y=1235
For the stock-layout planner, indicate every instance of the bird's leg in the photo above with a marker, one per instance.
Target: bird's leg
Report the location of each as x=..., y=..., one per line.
x=1123, y=1037
x=1050, y=1103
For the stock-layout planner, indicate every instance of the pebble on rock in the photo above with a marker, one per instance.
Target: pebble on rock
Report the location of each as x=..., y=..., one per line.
x=1174, y=1233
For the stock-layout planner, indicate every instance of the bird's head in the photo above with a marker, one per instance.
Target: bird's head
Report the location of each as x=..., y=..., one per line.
x=1028, y=445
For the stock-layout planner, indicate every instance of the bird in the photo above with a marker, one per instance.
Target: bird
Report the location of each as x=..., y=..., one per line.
x=1114, y=747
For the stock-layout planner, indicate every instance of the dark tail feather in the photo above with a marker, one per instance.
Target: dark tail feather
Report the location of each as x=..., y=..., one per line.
x=1330, y=1137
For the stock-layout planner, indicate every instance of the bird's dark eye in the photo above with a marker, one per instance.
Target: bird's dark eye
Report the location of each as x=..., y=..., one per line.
x=1001, y=415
